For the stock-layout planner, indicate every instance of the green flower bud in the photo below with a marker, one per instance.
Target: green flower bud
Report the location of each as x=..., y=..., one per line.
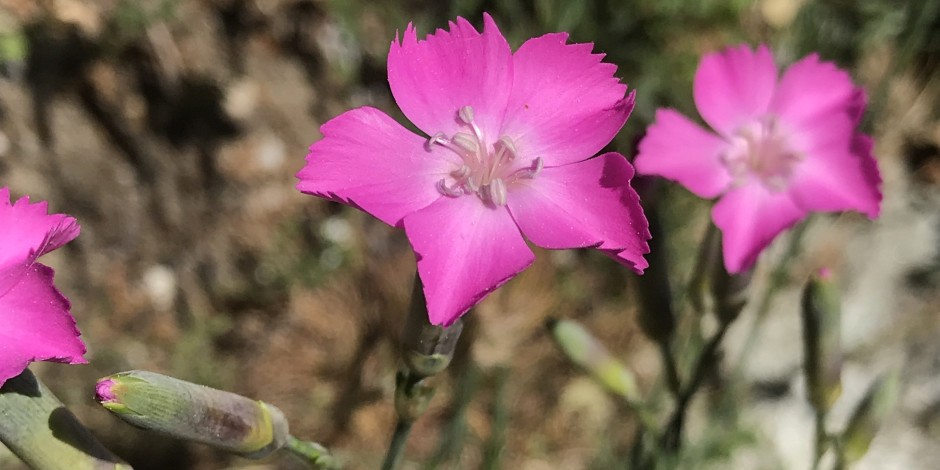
x=194, y=412
x=822, y=360
x=44, y=434
x=588, y=353
x=868, y=417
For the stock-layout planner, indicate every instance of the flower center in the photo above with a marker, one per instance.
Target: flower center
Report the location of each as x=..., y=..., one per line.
x=760, y=149
x=484, y=170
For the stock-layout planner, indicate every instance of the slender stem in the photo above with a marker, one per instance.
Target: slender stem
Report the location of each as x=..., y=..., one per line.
x=455, y=432
x=672, y=369
x=313, y=453
x=427, y=350
x=412, y=395
x=396, y=449
x=493, y=451
x=671, y=438
x=821, y=437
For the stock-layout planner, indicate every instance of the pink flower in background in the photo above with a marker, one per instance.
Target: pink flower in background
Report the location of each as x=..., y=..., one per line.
x=35, y=323
x=781, y=148
x=505, y=158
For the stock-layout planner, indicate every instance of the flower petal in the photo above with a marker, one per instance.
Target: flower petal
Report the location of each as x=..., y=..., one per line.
x=750, y=217
x=678, y=149
x=838, y=179
x=734, y=86
x=465, y=250
x=28, y=232
x=369, y=161
x=433, y=78
x=631, y=260
x=566, y=104
x=584, y=204
x=810, y=88
x=37, y=325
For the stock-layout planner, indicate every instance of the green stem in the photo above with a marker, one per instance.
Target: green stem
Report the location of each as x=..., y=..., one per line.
x=456, y=430
x=672, y=436
x=313, y=453
x=412, y=395
x=396, y=449
x=493, y=452
x=672, y=369
x=821, y=438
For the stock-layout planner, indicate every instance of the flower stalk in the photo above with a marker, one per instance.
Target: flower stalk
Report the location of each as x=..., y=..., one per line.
x=313, y=453
x=723, y=295
x=426, y=350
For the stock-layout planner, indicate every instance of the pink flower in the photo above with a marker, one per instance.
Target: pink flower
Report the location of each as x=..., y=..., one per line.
x=35, y=323
x=511, y=136
x=781, y=148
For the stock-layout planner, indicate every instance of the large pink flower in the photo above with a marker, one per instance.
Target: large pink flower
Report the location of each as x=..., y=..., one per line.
x=35, y=323
x=506, y=154
x=781, y=148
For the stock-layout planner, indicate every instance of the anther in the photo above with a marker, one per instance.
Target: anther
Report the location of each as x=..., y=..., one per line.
x=438, y=138
x=466, y=114
x=466, y=142
x=508, y=145
x=497, y=192
x=530, y=172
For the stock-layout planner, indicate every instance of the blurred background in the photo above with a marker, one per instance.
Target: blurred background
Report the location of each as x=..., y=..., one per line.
x=172, y=130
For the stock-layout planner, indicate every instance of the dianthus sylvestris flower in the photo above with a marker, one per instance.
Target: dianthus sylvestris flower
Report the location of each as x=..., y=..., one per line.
x=35, y=323
x=506, y=157
x=781, y=147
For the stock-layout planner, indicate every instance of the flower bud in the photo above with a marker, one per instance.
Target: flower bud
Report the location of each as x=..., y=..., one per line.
x=822, y=361
x=868, y=416
x=588, y=353
x=427, y=349
x=194, y=412
x=44, y=434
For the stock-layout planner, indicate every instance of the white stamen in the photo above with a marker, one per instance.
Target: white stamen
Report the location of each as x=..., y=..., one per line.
x=508, y=145
x=466, y=142
x=466, y=114
x=486, y=171
x=472, y=184
x=497, y=192
x=438, y=138
x=530, y=172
